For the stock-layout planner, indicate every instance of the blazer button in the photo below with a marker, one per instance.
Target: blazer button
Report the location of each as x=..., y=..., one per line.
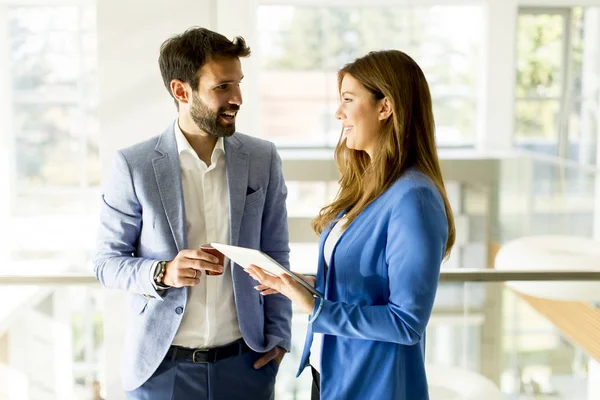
x=179, y=310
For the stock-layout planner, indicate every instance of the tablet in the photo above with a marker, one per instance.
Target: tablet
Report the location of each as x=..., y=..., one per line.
x=244, y=257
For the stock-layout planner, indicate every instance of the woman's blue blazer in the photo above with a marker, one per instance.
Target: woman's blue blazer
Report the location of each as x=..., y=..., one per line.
x=379, y=292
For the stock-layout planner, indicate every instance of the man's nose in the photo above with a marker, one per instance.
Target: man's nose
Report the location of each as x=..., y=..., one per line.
x=236, y=97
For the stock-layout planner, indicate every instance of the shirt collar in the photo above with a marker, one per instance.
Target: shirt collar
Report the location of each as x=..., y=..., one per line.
x=184, y=146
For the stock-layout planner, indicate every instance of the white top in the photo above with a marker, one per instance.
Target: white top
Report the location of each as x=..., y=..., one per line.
x=330, y=242
x=210, y=317
x=332, y=239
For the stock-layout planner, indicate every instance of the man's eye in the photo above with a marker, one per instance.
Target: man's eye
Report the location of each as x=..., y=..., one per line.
x=222, y=87
x=347, y=100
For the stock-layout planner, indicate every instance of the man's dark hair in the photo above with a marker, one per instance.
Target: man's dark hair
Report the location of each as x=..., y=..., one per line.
x=181, y=56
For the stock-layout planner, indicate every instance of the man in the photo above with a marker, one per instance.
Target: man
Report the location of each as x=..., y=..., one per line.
x=197, y=329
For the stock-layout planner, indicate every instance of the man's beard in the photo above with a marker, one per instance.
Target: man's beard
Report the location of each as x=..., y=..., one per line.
x=208, y=120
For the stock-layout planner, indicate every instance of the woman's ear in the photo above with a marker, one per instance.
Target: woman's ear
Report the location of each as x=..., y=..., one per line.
x=385, y=109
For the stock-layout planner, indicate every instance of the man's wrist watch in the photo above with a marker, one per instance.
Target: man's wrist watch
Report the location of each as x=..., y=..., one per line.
x=159, y=273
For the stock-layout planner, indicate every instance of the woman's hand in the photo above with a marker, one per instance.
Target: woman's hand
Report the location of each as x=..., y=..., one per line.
x=311, y=280
x=286, y=286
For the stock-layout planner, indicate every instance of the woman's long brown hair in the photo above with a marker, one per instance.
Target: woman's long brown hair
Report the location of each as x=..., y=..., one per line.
x=406, y=140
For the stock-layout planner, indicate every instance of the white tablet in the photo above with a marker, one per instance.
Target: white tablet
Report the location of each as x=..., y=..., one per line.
x=244, y=257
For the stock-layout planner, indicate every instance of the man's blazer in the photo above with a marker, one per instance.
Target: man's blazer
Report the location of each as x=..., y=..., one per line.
x=143, y=220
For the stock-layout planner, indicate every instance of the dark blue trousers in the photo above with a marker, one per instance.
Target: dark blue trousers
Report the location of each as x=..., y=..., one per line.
x=232, y=378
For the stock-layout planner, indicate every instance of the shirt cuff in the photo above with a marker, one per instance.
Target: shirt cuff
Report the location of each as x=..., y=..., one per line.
x=316, y=310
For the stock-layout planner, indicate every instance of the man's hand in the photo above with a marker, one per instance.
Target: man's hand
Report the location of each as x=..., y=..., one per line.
x=275, y=353
x=186, y=268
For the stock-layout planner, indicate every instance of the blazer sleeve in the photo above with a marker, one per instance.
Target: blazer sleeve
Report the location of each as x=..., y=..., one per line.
x=275, y=243
x=115, y=263
x=416, y=242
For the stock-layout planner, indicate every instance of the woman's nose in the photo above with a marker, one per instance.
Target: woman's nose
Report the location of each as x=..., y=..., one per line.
x=339, y=114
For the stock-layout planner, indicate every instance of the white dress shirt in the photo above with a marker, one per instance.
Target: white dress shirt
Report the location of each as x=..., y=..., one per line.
x=328, y=247
x=210, y=318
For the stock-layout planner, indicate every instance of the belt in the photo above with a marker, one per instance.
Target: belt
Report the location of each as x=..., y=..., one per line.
x=205, y=356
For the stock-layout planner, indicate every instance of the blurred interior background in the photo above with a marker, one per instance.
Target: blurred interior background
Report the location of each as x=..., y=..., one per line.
x=516, y=91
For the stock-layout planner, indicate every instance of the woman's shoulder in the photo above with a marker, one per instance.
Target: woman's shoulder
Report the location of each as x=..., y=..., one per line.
x=414, y=186
x=411, y=180
x=416, y=189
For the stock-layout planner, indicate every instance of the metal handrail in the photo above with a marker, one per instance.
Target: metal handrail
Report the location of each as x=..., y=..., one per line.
x=455, y=275
x=495, y=275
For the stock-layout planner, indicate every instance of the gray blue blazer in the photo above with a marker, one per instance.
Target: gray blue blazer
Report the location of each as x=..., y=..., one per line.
x=143, y=220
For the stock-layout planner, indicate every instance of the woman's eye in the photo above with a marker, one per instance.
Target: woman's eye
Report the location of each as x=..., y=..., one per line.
x=347, y=100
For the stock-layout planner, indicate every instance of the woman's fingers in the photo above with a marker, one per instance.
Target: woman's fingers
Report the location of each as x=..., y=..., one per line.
x=265, y=290
x=268, y=292
x=289, y=281
x=269, y=284
x=258, y=274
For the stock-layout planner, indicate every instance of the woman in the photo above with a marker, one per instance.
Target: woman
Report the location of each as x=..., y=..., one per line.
x=382, y=239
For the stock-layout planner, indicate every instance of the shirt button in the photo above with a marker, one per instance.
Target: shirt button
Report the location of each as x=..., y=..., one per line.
x=179, y=310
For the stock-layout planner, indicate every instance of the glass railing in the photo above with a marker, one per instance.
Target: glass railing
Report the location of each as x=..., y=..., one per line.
x=480, y=325
x=51, y=338
x=524, y=346
x=482, y=333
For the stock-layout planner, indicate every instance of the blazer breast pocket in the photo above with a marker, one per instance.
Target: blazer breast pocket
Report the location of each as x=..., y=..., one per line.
x=254, y=201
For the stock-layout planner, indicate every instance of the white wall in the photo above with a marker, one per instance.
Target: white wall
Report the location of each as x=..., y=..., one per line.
x=6, y=139
x=134, y=105
x=497, y=92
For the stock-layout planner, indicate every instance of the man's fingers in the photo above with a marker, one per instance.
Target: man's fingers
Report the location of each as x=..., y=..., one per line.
x=200, y=265
x=264, y=360
x=188, y=281
x=199, y=255
x=207, y=266
x=190, y=273
x=189, y=253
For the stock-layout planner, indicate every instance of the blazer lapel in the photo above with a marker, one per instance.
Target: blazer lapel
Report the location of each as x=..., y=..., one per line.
x=237, y=163
x=321, y=263
x=168, y=179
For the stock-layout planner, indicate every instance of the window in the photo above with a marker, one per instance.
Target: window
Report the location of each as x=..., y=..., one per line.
x=557, y=89
x=301, y=49
x=53, y=133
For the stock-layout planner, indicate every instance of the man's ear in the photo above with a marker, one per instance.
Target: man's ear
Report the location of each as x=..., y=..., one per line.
x=385, y=109
x=181, y=91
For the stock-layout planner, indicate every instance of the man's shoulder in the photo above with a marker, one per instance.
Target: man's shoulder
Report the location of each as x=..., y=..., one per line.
x=141, y=149
x=252, y=143
x=146, y=149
